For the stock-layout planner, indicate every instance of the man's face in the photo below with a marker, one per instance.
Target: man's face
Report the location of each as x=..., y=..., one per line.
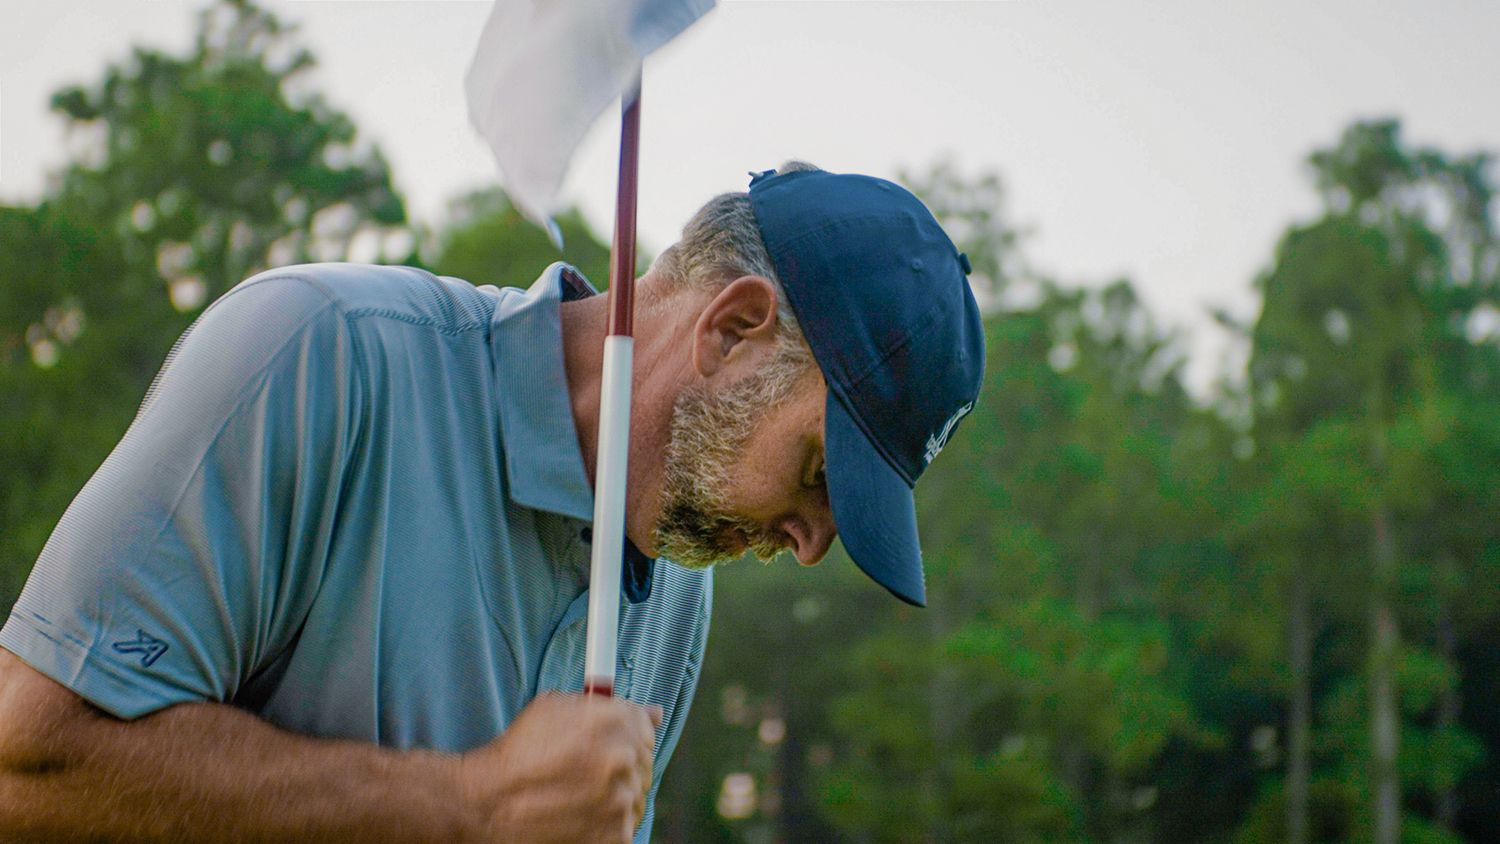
x=744, y=470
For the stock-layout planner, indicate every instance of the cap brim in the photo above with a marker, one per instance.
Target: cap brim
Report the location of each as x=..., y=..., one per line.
x=872, y=507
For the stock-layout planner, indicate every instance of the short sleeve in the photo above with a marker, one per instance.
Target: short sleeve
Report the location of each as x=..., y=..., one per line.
x=189, y=560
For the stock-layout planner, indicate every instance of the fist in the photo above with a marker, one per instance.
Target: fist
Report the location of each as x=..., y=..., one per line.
x=569, y=768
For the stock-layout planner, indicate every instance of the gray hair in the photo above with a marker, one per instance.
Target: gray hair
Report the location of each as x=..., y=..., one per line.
x=721, y=243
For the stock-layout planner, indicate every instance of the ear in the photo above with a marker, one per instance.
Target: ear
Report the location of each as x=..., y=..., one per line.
x=736, y=324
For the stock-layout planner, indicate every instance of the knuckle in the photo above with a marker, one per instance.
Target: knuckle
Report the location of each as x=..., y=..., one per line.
x=624, y=801
x=612, y=767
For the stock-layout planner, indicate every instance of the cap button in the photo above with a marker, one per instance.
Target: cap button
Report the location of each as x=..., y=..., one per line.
x=757, y=176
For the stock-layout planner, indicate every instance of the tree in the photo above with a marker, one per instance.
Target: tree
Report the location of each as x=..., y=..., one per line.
x=1031, y=699
x=197, y=171
x=213, y=165
x=1359, y=356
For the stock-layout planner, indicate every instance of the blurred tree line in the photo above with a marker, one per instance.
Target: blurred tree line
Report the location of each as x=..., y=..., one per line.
x=1265, y=615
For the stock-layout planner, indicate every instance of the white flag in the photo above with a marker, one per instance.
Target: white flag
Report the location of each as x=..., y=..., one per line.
x=545, y=70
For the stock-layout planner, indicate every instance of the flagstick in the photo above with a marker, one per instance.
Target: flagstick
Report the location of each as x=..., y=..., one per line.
x=614, y=417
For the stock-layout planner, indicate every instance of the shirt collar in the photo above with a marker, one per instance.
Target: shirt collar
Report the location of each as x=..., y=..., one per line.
x=543, y=464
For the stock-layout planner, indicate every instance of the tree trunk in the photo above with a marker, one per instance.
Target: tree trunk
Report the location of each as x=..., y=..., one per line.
x=1446, y=810
x=798, y=820
x=942, y=694
x=1385, y=713
x=1299, y=718
x=1385, y=708
x=1082, y=770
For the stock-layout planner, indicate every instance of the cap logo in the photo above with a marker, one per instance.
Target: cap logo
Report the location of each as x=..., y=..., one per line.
x=936, y=442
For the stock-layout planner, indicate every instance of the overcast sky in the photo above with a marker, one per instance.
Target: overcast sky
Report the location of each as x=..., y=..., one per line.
x=1161, y=141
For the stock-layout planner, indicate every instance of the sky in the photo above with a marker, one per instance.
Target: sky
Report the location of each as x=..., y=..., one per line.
x=1157, y=141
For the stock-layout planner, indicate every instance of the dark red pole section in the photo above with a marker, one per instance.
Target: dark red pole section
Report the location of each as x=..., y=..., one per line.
x=622, y=256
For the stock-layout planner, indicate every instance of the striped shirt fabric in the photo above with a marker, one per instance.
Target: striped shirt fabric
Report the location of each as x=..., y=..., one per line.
x=353, y=503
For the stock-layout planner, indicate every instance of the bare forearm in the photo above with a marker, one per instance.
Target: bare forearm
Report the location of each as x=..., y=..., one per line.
x=210, y=772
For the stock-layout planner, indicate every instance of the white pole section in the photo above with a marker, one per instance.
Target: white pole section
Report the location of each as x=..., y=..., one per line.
x=609, y=515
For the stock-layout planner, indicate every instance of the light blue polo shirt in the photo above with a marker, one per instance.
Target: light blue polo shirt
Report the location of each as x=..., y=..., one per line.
x=352, y=503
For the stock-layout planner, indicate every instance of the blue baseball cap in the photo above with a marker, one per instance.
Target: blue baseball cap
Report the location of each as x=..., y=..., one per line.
x=881, y=295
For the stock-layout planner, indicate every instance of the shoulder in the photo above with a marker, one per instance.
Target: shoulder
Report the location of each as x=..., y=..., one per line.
x=682, y=586
x=357, y=290
x=680, y=605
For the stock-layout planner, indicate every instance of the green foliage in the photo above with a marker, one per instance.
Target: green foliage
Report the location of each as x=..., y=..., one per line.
x=55, y=365
x=196, y=171
x=487, y=241
x=1130, y=592
x=1102, y=681
x=1109, y=567
x=212, y=166
x=1360, y=362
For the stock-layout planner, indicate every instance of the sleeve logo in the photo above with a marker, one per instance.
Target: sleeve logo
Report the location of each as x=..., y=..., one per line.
x=149, y=647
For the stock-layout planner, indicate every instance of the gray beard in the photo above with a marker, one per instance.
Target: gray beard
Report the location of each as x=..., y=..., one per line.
x=708, y=435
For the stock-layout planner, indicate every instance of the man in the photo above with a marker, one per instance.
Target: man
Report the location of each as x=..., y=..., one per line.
x=331, y=584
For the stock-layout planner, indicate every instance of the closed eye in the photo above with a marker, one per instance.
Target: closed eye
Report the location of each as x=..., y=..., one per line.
x=817, y=478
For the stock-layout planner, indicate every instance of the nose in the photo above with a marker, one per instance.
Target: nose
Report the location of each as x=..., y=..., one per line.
x=812, y=534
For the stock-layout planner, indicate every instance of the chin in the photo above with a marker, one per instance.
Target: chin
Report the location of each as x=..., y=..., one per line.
x=645, y=544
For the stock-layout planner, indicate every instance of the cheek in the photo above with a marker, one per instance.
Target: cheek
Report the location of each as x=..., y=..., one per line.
x=757, y=483
x=767, y=481
x=769, y=477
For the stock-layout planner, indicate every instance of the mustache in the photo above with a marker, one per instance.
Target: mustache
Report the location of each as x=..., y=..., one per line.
x=696, y=536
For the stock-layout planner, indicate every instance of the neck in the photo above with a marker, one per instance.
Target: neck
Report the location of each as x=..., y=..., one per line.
x=583, y=327
x=653, y=388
